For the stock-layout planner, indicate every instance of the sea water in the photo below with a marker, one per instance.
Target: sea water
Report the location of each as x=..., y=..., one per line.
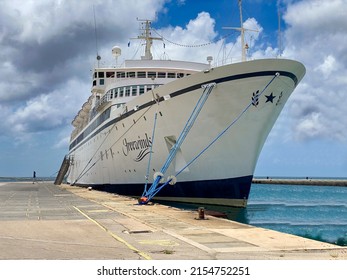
x=24, y=179
x=315, y=212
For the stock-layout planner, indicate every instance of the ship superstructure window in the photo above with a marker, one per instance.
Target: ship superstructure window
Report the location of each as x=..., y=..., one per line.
x=109, y=74
x=131, y=74
x=152, y=74
x=161, y=75
x=141, y=90
x=127, y=91
x=120, y=74
x=141, y=74
x=102, y=82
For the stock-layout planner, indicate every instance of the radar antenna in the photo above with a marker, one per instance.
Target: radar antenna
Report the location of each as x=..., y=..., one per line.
x=116, y=52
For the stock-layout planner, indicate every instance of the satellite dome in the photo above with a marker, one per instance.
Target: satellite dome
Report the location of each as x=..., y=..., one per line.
x=116, y=51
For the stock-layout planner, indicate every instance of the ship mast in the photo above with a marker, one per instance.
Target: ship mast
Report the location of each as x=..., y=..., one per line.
x=147, y=36
x=242, y=30
x=243, y=47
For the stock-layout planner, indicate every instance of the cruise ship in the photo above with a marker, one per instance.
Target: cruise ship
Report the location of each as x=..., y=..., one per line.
x=177, y=130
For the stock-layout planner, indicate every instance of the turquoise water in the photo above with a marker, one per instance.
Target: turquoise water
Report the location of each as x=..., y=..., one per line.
x=312, y=211
x=24, y=179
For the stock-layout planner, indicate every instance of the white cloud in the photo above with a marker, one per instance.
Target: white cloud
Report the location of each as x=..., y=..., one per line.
x=311, y=125
x=181, y=2
x=47, y=111
x=328, y=66
x=63, y=138
x=199, y=39
x=181, y=43
x=316, y=35
x=42, y=20
x=47, y=48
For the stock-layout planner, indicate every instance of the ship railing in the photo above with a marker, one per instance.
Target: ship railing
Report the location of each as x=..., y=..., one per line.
x=100, y=104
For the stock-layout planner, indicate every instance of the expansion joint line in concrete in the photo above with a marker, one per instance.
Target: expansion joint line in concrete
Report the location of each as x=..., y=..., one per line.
x=131, y=247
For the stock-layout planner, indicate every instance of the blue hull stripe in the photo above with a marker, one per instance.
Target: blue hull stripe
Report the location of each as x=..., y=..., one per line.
x=235, y=188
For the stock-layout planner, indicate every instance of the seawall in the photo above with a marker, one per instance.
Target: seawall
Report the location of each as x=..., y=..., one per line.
x=306, y=181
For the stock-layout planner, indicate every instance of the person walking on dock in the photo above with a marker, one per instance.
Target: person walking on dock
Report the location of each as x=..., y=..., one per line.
x=34, y=177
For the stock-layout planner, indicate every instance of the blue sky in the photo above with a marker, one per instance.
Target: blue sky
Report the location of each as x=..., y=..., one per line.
x=48, y=49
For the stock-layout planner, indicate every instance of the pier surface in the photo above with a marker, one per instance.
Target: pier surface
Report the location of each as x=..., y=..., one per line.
x=306, y=181
x=44, y=221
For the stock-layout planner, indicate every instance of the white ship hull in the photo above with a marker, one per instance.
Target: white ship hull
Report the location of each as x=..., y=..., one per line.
x=115, y=154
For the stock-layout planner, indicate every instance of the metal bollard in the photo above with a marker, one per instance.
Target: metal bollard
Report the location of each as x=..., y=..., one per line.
x=201, y=212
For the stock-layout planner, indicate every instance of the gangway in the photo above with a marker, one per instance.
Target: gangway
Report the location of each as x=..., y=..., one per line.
x=62, y=171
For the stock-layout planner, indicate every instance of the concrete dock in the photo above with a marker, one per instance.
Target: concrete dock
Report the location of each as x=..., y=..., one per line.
x=45, y=221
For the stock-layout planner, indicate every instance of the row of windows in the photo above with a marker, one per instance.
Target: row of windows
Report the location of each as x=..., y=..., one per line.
x=129, y=91
x=139, y=74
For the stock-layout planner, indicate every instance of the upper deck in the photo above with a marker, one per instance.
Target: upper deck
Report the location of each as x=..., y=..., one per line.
x=162, y=70
x=122, y=84
x=119, y=85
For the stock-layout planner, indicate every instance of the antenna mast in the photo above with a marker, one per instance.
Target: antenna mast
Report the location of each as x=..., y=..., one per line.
x=98, y=57
x=243, y=49
x=242, y=30
x=147, y=36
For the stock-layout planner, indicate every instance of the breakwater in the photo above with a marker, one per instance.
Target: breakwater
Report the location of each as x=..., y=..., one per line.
x=303, y=181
